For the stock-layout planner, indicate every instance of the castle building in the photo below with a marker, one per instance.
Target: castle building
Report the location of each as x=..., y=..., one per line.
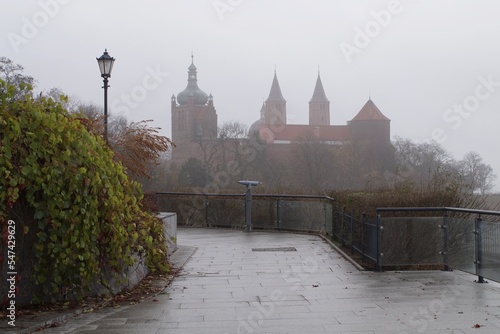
x=369, y=124
x=194, y=121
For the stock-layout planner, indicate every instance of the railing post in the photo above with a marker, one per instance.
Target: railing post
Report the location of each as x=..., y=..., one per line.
x=326, y=216
x=446, y=258
x=363, y=233
x=479, y=248
x=352, y=234
x=206, y=211
x=379, y=244
x=278, y=214
x=342, y=228
x=333, y=222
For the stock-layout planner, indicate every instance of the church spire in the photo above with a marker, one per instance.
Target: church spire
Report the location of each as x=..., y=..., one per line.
x=275, y=104
x=319, y=105
x=275, y=93
x=319, y=92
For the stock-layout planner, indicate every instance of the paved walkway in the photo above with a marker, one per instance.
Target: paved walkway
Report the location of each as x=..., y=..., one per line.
x=265, y=282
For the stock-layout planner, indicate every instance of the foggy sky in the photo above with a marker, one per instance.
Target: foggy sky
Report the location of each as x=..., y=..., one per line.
x=432, y=67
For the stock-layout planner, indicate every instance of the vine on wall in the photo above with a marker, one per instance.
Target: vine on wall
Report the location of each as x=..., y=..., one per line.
x=87, y=217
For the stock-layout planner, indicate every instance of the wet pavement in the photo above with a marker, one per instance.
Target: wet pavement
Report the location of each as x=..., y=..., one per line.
x=269, y=282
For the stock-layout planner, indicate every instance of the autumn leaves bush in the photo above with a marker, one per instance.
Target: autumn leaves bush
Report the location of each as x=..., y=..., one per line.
x=85, y=213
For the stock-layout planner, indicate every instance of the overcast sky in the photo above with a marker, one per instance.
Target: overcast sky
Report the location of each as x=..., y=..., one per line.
x=432, y=67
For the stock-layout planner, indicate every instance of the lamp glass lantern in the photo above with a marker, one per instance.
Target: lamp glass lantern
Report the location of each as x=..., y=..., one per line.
x=105, y=64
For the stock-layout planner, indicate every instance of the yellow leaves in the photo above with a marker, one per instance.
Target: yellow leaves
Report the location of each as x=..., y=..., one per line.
x=80, y=194
x=138, y=146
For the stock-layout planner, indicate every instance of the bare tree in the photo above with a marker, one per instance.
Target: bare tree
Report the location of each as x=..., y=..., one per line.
x=231, y=153
x=421, y=163
x=486, y=179
x=470, y=169
x=231, y=142
x=314, y=162
x=12, y=75
x=478, y=175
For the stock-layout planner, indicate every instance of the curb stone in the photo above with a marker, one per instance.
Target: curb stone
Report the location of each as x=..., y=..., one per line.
x=344, y=254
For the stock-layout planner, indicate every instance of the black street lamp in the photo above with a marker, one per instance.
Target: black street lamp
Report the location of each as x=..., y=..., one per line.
x=105, y=66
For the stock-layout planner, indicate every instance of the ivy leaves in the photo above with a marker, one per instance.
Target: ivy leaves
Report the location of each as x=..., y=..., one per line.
x=87, y=215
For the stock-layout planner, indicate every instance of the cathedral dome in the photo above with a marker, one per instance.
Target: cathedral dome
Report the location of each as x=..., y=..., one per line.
x=260, y=123
x=261, y=129
x=199, y=96
x=255, y=127
x=192, y=91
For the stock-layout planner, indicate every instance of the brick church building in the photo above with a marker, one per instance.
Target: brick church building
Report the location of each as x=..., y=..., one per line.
x=194, y=121
x=369, y=123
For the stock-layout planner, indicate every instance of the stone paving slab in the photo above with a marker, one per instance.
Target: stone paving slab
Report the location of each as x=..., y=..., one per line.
x=227, y=288
x=33, y=323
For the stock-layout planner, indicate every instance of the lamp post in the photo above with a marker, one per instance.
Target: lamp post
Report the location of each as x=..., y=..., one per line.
x=105, y=66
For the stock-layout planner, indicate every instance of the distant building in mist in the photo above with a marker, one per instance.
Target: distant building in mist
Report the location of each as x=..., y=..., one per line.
x=194, y=124
x=194, y=119
x=369, y=124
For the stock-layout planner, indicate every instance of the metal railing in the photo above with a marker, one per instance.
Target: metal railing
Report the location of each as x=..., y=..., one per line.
x=462, y=239
x=358, y=235
x=302, y=213
x=416, y=238
x=280, y=212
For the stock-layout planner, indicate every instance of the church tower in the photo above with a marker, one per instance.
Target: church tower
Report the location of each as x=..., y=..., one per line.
x=194, y=119
x=275, y=105
x=370, y=125
x=319, y=106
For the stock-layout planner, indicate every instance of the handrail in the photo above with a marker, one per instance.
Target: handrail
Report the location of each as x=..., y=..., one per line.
x=243, y=194
x=480, y=240
x=439, y=209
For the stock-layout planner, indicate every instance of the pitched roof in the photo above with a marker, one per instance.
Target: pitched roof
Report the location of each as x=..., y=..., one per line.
x=370, y=112
x=275, y=93
x=293, y=132
x=319, y=92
